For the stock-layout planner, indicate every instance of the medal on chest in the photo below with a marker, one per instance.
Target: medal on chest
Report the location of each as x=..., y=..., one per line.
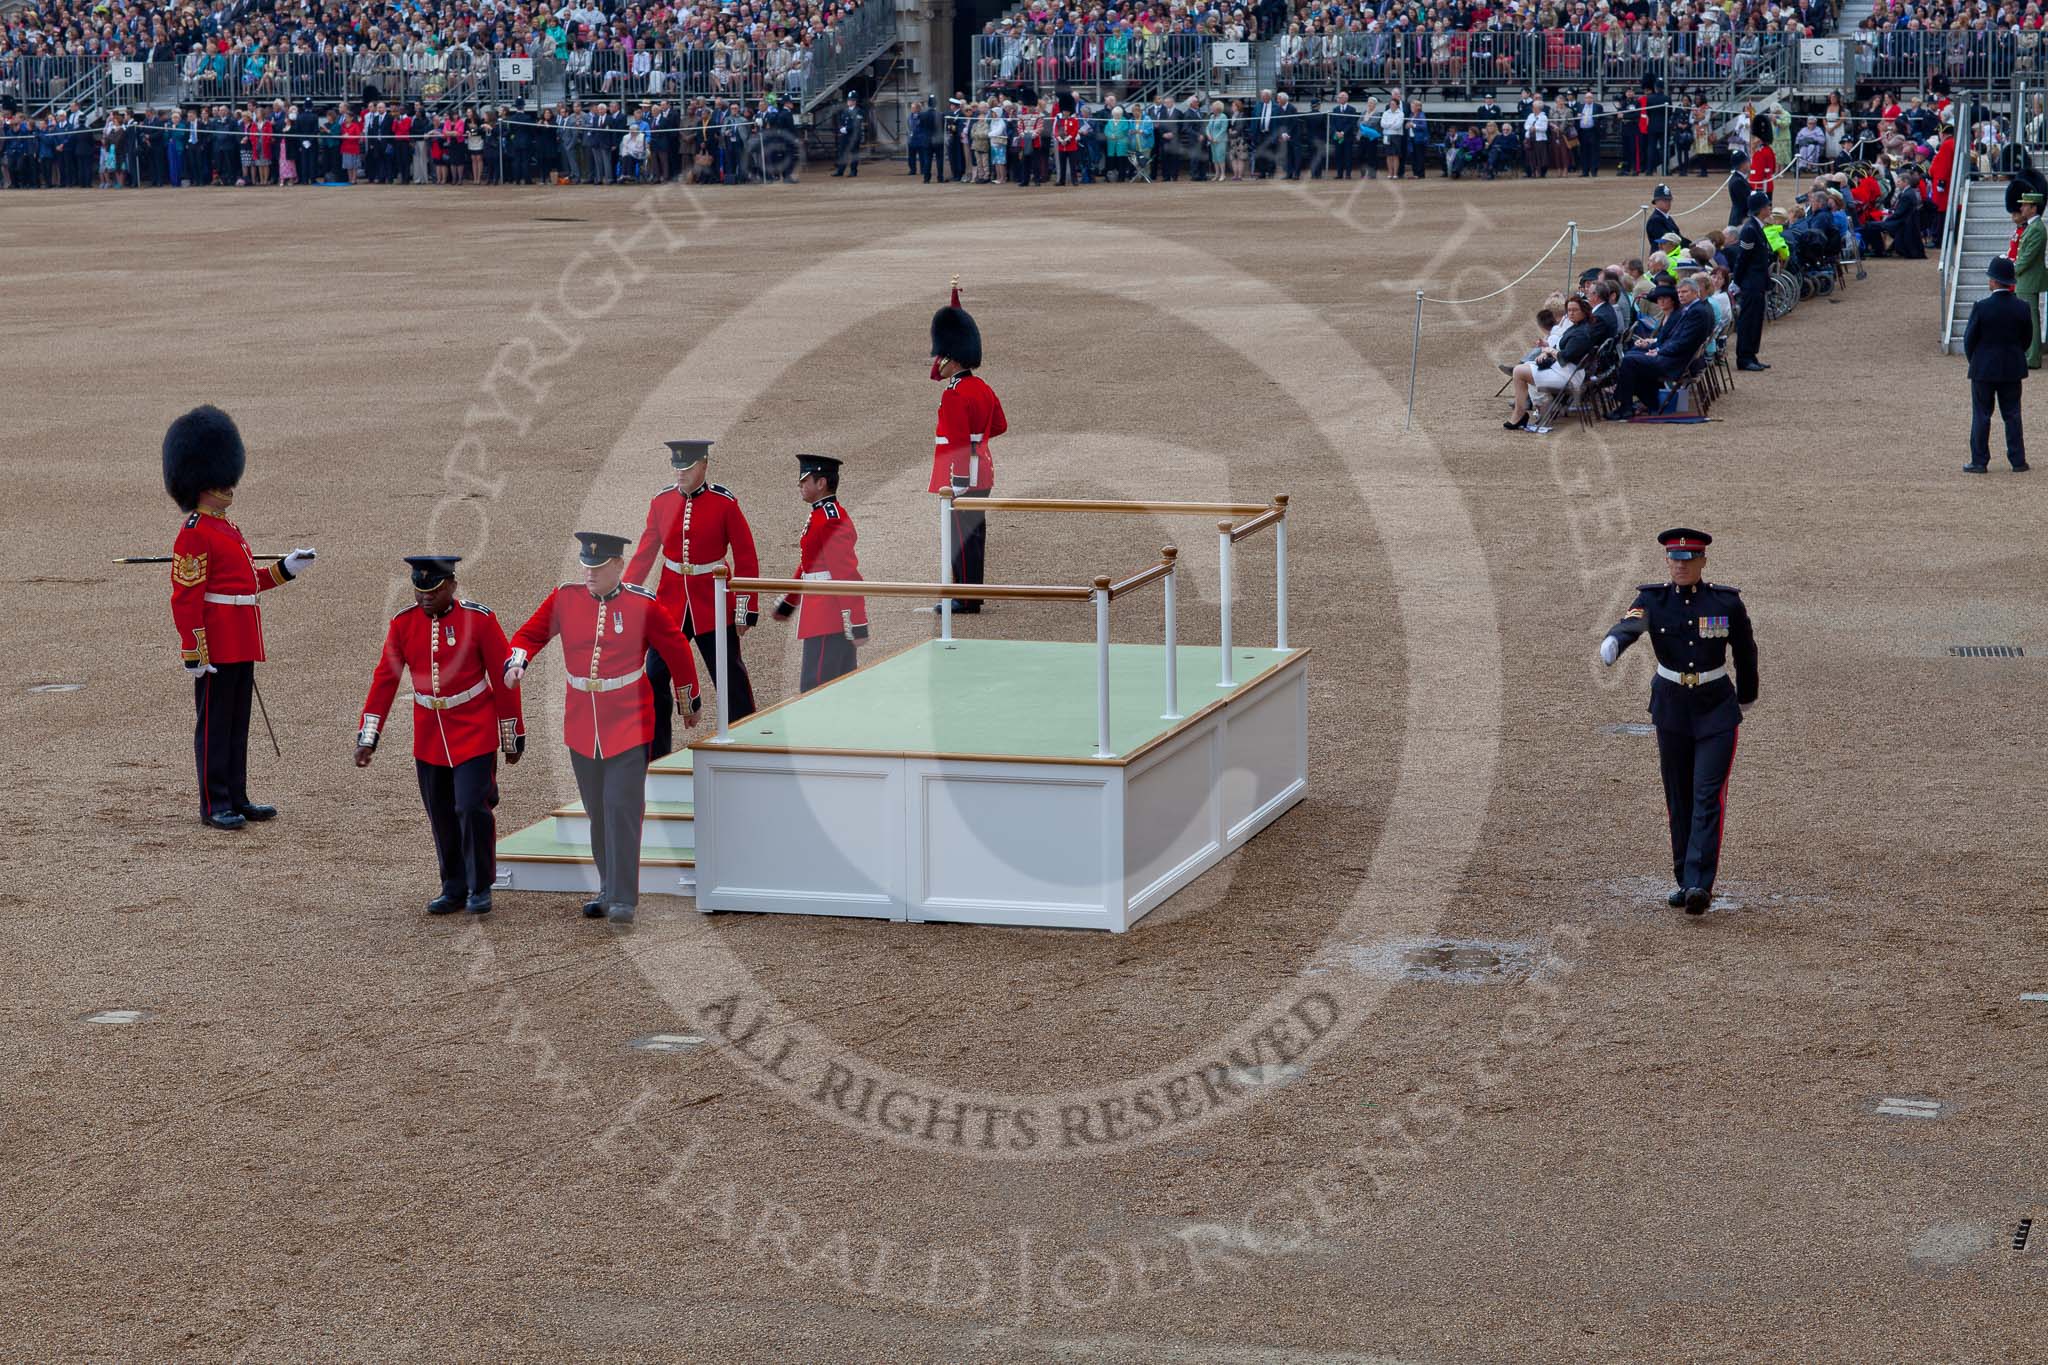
x=1713, y=627
x=618, y=622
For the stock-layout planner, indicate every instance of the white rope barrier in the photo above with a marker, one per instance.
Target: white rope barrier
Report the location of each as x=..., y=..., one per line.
x=1595, y=232
x=1562, y=238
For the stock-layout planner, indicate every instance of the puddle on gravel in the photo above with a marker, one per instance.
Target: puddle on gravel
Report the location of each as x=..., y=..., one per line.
x=1459, y=962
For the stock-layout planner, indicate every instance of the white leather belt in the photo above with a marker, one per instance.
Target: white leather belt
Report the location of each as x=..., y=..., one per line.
x=673, y=567
x=1692, y=679
x=608, y=684
x=820, y=574
x=445, y=703
x=232, y=599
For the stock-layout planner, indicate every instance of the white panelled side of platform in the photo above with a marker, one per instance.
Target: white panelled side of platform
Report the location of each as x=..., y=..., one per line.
x=1052, y=844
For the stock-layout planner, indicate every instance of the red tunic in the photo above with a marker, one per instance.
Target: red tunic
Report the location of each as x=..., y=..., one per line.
x=970, y=416
x=604, y=648
x=690, y=536
x=214, y=582
x=458, y=678
x=827, y=551
x=1763, y=168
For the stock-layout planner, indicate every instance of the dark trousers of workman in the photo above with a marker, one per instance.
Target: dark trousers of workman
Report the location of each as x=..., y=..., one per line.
x=1749, y=322
x=826, y=657
x=739, y=695
x=1696, y=797
x=970, y=548
x=460, y=801
x=1983, y=394
x=614, y=792
x=220, y=737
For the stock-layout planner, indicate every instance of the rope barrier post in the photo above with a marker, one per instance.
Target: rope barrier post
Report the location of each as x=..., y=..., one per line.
x=720, y=630
x=1172, y=557
x=1280, y=575
x=1223, y=573
x=1571, y=255
x=1414, y=359
x=1102, y=748
x=946, y=561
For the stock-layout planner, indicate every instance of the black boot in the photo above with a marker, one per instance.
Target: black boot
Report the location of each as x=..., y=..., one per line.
x=444, y=904
x=1697, y=899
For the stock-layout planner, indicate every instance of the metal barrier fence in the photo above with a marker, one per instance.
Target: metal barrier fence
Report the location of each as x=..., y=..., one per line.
x=1093, y=62
x=844, y=49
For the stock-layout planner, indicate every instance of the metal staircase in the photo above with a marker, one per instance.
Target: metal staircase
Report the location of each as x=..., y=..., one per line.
x=860, y=39
x=1980, y=230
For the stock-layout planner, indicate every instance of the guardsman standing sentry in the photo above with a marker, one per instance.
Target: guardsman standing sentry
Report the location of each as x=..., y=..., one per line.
x=463, y=716
x=214, y=586
x=607, y=626
x=692, y=525
x=1693, y=627
x=970, y=416
x=832, y=628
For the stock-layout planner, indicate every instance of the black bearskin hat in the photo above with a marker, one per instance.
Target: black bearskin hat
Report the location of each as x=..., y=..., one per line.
x=202, y=450
x=954, y=335
x=2023, y=182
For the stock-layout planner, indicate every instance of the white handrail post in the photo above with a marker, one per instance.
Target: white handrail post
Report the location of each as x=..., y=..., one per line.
x=1223, y=573
x=946, y=561
x=1280, y=575
x=720, y=628
x=1172, y=712
x=1102, y=748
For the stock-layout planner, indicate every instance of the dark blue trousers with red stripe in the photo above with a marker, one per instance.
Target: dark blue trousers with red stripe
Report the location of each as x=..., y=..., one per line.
x=220, y=737
x=1696, y=797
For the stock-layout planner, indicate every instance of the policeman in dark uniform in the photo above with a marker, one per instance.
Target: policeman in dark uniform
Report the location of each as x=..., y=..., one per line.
x=1660, y=220
x=1697, y=711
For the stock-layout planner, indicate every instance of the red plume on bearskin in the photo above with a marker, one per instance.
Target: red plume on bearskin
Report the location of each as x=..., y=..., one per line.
x=955, y=336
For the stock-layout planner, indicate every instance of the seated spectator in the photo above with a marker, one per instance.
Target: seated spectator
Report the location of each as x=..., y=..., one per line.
x=1554, y=367
x=1898, y=233
x=1688, y=321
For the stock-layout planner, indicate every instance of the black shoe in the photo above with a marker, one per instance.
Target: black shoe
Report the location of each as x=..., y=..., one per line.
x=966, y=608
x=593, y=909
x=1752, y=365
x=254, y=813
x=1676, y=899
x=444, y=904
x=226, y=819
x=1697, y=899
x=1622, y=414
x=2021, y=468
x=1519, y=424
x=1976, y=469
x=619, y=914
x=479, y=904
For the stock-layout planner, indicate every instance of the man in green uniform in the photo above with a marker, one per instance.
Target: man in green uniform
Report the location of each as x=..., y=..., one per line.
x=2030, y=265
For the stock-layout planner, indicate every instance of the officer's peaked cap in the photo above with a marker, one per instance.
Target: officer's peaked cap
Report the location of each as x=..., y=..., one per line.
x=202, y=450
x=1682, y=542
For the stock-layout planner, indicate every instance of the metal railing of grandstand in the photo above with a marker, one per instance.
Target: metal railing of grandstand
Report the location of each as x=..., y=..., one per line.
x=1728, y=66
x=455, y=77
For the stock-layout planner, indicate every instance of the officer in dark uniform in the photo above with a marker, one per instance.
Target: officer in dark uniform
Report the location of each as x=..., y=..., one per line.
x=1738, y=188
x=1697, y=711
x=1660, y=220
x=1753, y=276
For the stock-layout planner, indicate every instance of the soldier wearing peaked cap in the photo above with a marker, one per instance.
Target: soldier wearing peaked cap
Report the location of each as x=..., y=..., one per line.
x=1693, y=627
x=1995, y=341
x=2023, y=200
x=1660, y=220
x=693, y=526
x=607, y=626
x=464, y=715
x=970, y=416
x=833, y=628
x=214, y=586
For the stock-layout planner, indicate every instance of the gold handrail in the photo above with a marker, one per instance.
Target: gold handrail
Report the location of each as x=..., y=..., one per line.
x=830, y=587
x=1144, y=576
x=1167, y=509
x=1252, y=527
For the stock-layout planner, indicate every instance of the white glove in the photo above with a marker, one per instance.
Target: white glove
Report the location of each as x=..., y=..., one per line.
x=1745, y=706
x=295, y=563
x=200, y=670
x=513, y=673
x=1610, y=650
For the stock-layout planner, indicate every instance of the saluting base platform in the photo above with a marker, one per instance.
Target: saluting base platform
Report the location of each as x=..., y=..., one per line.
x=961, y=780
x=554, y=855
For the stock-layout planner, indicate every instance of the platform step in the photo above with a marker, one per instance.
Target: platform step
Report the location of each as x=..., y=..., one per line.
x=668, y=825
x=535, y=859
x=668, y=779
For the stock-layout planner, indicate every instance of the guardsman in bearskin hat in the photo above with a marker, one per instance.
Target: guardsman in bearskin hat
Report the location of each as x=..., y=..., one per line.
x=2024, y=195
x=463, y=716
x=693, y=526
x=970, y=416
x=832, y=628
x=214, y=585
x=607, y=626
x=1697, y=710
